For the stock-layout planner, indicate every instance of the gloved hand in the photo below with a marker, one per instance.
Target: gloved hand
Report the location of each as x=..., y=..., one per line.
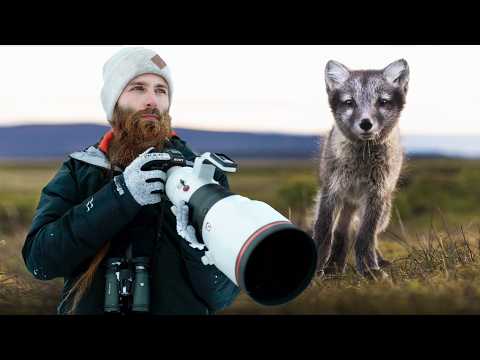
x=188, y=232
x=141, y=183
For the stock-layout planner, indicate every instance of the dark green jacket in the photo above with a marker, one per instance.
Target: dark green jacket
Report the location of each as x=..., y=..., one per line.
x=80, y=209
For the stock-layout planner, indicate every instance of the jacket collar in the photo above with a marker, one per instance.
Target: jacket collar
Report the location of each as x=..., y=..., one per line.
x=93, y=156
x=97, y=155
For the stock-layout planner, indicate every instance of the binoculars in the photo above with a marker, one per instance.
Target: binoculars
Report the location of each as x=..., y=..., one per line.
x=127, y=285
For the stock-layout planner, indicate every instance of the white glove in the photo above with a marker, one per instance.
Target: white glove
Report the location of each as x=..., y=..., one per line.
x=188, y=232
x=136, y=179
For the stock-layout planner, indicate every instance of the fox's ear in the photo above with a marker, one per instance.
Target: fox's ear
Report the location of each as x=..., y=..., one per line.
x=397, y=73
x=335, y=74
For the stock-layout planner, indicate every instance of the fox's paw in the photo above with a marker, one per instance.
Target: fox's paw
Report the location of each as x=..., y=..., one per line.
x=383, y=263
x=375, y=275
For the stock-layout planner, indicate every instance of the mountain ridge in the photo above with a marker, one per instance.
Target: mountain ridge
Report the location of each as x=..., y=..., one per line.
x=52, y=141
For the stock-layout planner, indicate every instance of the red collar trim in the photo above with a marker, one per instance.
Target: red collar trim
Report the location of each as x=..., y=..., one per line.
x=105, y=142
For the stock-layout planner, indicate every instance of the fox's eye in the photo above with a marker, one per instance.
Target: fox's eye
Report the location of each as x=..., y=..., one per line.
x=348, y=102
x=384, y=102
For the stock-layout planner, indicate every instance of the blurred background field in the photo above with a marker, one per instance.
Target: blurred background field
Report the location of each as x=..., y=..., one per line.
x=433, y=239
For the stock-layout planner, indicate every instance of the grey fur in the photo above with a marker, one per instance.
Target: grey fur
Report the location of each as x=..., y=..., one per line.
x=359, y=167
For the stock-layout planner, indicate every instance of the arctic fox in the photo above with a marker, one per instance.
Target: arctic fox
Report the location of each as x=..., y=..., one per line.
x=360, y=163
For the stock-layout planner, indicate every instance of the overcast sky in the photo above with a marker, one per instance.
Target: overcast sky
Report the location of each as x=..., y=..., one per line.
x=247, y=88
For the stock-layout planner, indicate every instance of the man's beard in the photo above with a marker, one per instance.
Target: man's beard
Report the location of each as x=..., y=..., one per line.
x=134, y=134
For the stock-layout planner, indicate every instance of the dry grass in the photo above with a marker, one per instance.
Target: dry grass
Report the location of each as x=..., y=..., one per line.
x=20, y=292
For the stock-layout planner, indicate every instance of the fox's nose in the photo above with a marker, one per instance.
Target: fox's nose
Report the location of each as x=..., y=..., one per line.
x=366, y=124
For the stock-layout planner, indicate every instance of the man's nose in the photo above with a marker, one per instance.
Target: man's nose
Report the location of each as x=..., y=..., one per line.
x=151, y=100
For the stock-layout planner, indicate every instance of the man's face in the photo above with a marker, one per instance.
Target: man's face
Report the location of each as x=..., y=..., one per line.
x=145, y=92
x=140, y=119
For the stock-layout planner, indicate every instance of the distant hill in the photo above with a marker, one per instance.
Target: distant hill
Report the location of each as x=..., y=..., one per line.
x=56, y=141
x=47, y=141
x=36, y=142
x=251, y=145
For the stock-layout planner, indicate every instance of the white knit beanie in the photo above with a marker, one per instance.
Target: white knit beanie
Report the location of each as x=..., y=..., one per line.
x=126, y=65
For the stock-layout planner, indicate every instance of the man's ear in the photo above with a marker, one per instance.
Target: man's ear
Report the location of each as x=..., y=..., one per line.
x=397, y=74
x=335, y=75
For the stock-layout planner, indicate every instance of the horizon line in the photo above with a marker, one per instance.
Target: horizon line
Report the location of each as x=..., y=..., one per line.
x=211, y=129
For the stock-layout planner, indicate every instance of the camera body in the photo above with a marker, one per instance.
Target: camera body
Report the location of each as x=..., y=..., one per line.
x=170, y=157
x=184, y=178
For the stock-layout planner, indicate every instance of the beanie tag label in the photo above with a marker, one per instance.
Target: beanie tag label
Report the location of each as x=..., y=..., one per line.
x=157, y=60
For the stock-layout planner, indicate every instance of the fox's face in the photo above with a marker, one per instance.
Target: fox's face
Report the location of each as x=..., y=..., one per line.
x=366, y=104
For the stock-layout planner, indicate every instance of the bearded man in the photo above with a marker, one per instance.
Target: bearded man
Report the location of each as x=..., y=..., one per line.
x=102, y=205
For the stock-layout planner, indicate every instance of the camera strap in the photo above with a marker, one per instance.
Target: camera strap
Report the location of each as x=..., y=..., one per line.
x=159, y=224
x=128, y=252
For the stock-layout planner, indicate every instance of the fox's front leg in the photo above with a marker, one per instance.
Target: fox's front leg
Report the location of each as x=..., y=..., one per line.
x=383, y=224
x=322, y=230
x=341, y=240
x=366, y=242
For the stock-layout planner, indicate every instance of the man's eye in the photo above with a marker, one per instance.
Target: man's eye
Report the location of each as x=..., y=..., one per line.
x=161, y=91
x=348, y=102
x=138, y=88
